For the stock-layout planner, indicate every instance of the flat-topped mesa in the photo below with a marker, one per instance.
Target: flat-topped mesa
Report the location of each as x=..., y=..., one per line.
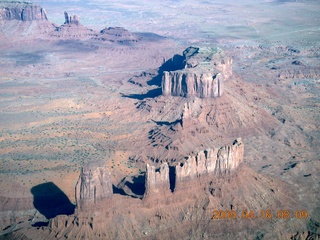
x=157, y=180
x=21, y=11
x=117, y=34
x=71, y=20
x=202, y=75
x=94, y=185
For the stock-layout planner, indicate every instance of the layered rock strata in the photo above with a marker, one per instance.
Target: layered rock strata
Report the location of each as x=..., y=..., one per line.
x=22, y=12
x=217, y=162
x=202, y=74
x=94, y=185
x=186, y=83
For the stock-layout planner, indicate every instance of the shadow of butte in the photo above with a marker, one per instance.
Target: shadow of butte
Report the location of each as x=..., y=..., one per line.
x=51, y=201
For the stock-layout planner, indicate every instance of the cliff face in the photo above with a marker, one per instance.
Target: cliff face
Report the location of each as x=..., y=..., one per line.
x=157, y=180
x=22, y=12
x=218, y=162
x=188, y=83
x=94, y=185
x=202, y=74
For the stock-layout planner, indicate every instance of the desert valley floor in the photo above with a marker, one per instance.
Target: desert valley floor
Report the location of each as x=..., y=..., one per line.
x=79, y=93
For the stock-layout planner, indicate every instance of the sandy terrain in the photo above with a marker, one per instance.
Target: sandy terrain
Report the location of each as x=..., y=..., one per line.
x=68, y=101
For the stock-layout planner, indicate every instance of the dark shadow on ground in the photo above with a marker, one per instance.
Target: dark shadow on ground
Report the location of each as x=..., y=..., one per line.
x=175, y=63
x=40, y=224
x=151, y=94
x=172, y=178
x=51, y=201
x=133, y=186
x=138, y=185
x=117, y=190
x=166, y=123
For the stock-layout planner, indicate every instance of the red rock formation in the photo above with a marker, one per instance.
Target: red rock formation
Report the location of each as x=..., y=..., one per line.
x=94, y=185
x=157, y=180
x=203, y=74
x=187, y=83
x=22, y=11
x=216, y=162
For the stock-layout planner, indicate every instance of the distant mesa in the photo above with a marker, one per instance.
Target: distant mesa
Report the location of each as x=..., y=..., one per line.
x=23, y=19
x=117, y=34
x=31, y=20
x=202, y=74
x=22, y=11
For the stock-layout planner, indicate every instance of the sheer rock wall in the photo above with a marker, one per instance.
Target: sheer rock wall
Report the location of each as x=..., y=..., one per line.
x=187, y=83
x=202, y=74
x=157, y=180
x=217, y=161
x=94, y=185
x=22, y=12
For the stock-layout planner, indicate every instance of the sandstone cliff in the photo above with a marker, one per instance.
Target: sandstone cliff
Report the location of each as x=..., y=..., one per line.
x=157, y=180
x=202, y=74
x=216, y=162
x=94, y=185
x=186, y=83
x=21, y=11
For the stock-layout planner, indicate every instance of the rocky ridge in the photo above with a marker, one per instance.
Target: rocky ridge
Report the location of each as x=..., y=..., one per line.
x=95, y=184
x=187, y=208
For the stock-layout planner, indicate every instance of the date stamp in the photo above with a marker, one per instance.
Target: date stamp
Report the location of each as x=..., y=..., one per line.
x=263, y=214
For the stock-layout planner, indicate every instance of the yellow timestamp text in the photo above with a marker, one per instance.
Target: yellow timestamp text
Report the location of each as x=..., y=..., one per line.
x=263, y=214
